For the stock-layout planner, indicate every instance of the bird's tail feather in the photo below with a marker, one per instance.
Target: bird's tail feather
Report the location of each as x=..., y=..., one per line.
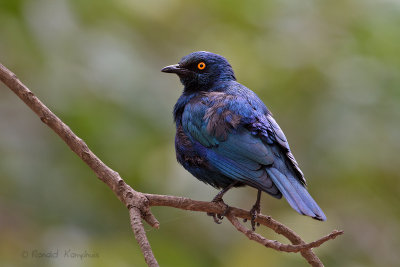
x=296, y=194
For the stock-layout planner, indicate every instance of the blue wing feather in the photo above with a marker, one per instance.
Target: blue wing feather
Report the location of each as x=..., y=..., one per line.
x=239, y=155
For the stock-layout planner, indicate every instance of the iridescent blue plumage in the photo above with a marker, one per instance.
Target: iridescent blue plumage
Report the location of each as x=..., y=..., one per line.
x=226, y=134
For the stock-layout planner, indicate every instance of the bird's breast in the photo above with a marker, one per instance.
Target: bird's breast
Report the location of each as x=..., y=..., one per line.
x=186, y=152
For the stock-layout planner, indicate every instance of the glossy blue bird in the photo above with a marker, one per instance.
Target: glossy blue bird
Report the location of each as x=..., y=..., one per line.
x=226, y=136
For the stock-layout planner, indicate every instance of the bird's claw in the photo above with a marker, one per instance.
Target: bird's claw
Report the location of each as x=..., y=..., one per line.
x=255, y=210
x=218, y=217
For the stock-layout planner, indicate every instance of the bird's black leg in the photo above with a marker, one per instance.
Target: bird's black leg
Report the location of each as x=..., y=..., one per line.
x=218, y=198
x=255, y=210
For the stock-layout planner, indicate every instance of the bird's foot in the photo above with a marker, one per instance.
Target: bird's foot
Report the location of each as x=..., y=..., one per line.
x=218, y=217
x=255, y=210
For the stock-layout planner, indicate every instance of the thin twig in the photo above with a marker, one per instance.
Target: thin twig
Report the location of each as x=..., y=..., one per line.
x=139, y=203
x=140, y=235
x=275, y=244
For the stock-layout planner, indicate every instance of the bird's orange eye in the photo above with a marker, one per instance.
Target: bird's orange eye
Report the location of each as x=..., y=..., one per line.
x=201, y=65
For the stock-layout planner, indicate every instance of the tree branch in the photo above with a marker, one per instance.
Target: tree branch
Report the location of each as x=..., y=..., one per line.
x=194, y=205
x=139, y=203
x=134, y=201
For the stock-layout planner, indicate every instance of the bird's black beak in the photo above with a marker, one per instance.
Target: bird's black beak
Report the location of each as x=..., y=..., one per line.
x=174, y=69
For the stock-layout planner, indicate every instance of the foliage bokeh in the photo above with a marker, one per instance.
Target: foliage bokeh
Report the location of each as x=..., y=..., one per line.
x=328, y=70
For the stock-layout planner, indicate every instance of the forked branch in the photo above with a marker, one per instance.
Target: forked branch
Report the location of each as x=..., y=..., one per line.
x=139, y=203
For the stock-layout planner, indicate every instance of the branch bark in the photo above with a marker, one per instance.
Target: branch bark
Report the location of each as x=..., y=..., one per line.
x=139, y=203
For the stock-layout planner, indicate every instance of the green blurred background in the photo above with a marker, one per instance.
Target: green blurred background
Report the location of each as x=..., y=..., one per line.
x=328, y=70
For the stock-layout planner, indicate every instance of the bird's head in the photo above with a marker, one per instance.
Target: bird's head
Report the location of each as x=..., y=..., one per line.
x=199, y=71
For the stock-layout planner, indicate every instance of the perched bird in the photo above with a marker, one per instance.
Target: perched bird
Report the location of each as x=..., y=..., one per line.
x=226, y=136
